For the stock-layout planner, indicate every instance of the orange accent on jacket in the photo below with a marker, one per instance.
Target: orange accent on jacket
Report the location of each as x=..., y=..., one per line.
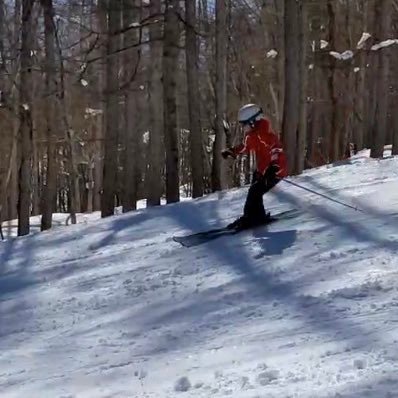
x=263, y=141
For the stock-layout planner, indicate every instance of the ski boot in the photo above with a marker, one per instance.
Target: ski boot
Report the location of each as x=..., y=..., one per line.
x=245, y=222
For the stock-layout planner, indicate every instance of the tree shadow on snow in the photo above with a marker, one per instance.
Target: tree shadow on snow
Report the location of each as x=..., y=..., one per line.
x=14, y=280
x=117, y=226
x=359, y=230
x=185, y=213
x=7, y=249
x=363, y=206
x=260, y=284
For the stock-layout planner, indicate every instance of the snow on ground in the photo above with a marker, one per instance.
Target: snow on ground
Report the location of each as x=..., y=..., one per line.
x=10, y=228
x=306, y=307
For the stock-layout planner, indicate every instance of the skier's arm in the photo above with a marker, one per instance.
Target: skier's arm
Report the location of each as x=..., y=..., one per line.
x=278, y=158
x=237, y=150
x=243, y=148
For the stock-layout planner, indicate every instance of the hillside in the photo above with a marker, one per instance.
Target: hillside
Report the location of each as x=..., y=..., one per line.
x=306, y=307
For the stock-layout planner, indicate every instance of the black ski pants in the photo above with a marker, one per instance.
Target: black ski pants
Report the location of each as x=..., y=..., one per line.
x=261, y=184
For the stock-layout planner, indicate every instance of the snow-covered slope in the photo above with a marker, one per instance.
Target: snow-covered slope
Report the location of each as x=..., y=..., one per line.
x=307, y=307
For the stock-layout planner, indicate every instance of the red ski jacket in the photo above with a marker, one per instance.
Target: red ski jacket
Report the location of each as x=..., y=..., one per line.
x=263, y=141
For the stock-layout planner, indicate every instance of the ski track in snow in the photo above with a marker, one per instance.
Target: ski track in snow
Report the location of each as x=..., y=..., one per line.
x=306, y=307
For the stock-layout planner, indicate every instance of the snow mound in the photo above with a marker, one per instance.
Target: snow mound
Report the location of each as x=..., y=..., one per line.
x=268, y=377
x=360, y=363
x=182, y=384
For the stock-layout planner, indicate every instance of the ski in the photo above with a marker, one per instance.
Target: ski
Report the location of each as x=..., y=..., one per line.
x=199, y=238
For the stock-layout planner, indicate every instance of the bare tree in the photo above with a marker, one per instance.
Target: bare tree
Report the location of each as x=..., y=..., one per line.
x=15, y=67
x=395, y=101
x=112, y=110
x=25, y=117
x=155, y=104
x=292, y=81
x=49, y=196
x=170, y=66
x=395, y=129
x=192, y=60
x=9, y=105
x=2, y=54
x=3, y=187
x=302, y=125
x=383, y=20
x=219, y=169
x=131, y=149
x=334, y=80
x=100, y=13
x=361, y=97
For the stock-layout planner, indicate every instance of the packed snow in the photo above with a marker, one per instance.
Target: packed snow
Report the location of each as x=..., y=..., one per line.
x=306, y=307
x=362, y=41
x=384, y=44
x=324, y=44
x=344, y=56
x=272, y=53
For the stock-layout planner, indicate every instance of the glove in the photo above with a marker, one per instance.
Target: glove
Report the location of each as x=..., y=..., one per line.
x=257, y=176
x=272, y=171
x=227, y=152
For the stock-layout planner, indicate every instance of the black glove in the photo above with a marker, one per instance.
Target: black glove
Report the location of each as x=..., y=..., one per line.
x=257, y=176
x=227, y=152
x=272, y=171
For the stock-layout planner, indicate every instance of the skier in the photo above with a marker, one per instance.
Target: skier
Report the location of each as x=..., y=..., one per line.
x=271, y=163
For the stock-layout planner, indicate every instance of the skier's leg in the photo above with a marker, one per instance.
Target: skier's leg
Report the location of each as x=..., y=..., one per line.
x=253, y=211
x=254, y=207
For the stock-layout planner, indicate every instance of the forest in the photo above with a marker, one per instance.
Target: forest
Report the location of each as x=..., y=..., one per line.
x=107, y=102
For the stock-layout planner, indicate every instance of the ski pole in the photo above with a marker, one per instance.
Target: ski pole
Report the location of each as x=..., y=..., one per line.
x=323, y=196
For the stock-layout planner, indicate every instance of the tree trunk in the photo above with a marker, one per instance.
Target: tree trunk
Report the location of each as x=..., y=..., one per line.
x=111, y=111
x=101, y=16
x=50, y=188
x=25, y=119
x=194, y=100
x=131, y=144
x=302, y=127
x=98, y=164
x=3, y=187
x=279, y=9
x=2, y=53
x=5, y=181
x=342, y=82
x=336, y=80
x=74, y=203
x=395, y=126
x=348, y=92
x=292, y=82
x=73, y=177
x=219, y=173
x=373, y=69
x=156, y=151
x=360, y=127
x=170, y=67
x=36, y=188
x=394, y=99
x=383, y=18
x=13, y=183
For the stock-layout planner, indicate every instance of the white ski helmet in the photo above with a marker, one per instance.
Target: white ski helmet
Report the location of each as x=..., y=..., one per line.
x=250, y=113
